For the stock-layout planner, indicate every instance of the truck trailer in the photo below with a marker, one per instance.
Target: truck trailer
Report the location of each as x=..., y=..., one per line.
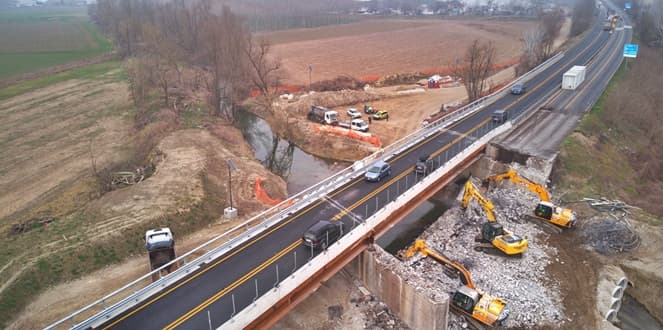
x=573, y=78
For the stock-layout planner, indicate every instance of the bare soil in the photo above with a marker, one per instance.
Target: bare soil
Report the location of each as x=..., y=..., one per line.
x=383, y=46
x=50, y=136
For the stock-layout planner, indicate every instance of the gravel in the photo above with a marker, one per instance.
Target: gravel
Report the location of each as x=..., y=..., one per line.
x=533, y=298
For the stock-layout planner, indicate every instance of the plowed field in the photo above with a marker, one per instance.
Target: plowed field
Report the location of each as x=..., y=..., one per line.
x=376, y=47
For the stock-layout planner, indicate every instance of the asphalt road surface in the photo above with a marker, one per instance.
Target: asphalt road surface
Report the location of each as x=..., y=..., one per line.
x=234, y=279
x=554, y=119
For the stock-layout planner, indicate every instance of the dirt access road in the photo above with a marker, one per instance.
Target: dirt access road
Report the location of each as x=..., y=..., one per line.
x=376, y=47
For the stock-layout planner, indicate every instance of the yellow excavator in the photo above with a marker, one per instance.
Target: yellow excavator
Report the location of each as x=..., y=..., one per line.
x=491, y=231
x=545, y=210
x=467, y=300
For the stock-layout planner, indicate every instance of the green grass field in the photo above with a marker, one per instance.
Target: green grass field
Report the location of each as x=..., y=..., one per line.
x=38, y=38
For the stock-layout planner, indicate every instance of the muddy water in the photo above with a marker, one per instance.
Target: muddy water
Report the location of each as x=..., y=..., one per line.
x=301, y=170
x=634, y=316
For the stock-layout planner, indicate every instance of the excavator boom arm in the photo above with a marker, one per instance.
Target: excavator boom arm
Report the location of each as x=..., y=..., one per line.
x=420, y=246
x=513, y=176
x=472, y=191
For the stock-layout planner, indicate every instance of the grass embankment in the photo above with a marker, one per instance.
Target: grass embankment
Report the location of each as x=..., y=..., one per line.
x=38, y=38
x=617, y=150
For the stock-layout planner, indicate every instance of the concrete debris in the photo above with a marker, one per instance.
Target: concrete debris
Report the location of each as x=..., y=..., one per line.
x=376, y=314
x=606, y=205
x=610, y=236
x=533, y=298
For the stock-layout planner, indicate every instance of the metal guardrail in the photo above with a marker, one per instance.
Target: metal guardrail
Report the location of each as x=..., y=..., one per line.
x=133, y=293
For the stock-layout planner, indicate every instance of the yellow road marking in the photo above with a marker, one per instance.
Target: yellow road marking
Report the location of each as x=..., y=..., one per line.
x=232, y=286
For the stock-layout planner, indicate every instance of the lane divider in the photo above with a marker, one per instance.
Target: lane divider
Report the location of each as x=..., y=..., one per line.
x=232, y=286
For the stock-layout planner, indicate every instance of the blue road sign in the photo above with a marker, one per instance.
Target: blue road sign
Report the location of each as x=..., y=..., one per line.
x=630, y=50
x=627, y=5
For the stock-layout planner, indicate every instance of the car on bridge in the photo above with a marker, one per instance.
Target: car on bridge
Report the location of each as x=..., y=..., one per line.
x=499, y=116
x=322, y=234
x=377, y=171
x=518, y=88
x=424, y=165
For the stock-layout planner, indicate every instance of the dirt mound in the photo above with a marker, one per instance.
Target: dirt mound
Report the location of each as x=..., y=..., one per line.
x=177, y=185
x=337, y=84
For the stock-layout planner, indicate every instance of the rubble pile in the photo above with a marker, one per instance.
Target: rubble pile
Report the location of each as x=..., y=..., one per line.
x=376, y=314
x=532, y=297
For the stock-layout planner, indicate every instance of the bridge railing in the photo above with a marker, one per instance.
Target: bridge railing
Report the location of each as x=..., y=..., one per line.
x=136, y=291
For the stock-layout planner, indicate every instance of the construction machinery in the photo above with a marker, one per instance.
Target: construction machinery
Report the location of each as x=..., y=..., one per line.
x=467, y=299
x=545, y=210
x=493, y=235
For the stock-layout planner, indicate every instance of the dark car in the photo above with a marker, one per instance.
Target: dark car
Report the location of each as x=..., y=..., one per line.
x=500, y=116
x=377, y=171
x=518, y=89
x=322, y=234
x=369, y=109
x=424, y=165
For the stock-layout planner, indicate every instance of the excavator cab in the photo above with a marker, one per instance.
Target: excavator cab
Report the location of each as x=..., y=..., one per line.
x=544, y=210
x=491, y=230
x=465, y=299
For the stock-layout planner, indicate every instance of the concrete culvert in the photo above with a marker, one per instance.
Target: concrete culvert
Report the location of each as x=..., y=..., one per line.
x=617, y=293
x=622, y=283
x=616, y=304
x=611, y=316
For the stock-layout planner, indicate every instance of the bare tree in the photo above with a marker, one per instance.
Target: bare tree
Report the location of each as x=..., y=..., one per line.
x=265, y=71
x=475, y=68
x=162, y=54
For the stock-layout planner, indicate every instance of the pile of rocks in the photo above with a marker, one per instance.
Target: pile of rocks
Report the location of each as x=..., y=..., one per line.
x=376, y=314
x=533, y=298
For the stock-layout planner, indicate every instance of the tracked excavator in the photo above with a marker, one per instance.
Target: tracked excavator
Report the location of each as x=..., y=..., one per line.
x=545, y=210
x=493, y=235
x=467, y=300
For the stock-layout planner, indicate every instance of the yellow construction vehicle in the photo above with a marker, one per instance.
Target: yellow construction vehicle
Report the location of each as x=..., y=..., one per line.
x=467, y=300
x=545, y=210
x=491, y=231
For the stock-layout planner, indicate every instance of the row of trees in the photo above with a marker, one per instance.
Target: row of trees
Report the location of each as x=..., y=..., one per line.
x=162, y=38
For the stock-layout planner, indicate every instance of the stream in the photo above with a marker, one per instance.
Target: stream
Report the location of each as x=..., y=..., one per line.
x=302, y=170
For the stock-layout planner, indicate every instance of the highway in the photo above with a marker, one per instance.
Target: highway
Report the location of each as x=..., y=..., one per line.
x=561, y=112
x=235, y=278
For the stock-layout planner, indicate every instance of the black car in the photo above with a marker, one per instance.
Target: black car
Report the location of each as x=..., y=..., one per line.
x=322, y=234
x=424, y=165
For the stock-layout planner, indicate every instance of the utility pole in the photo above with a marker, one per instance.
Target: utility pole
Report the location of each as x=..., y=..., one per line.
x=230, y=212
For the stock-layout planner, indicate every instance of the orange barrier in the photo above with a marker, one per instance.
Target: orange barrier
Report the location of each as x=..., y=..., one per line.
x=349, y=133
x=262, y=196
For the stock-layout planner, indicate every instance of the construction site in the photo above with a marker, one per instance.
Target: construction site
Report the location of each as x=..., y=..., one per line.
x=513, y=240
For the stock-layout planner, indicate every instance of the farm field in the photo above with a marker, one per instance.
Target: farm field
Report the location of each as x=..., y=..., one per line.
x=377, y=47
x=38, y=38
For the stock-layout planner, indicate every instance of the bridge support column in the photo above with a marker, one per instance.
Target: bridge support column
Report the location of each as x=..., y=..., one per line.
x=414, y=308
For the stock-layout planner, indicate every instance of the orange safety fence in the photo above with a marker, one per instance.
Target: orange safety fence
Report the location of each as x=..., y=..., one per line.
x=262, y=195
x=349, y=133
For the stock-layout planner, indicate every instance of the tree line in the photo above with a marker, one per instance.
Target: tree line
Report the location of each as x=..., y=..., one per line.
x=161, y=39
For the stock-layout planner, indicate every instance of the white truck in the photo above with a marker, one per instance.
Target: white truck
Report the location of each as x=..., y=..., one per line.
x=322, y=115
x=573, y=78
x=355, y=124
x=160, y=246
